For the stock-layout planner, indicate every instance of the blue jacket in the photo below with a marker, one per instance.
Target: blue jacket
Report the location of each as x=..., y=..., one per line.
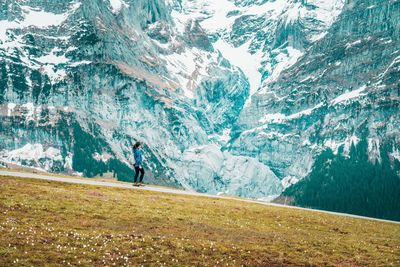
x=137, y=153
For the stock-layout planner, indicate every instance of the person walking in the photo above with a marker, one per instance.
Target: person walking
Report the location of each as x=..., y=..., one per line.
x=137, y=153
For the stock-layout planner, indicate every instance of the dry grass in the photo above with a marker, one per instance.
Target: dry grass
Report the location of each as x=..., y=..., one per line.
x=59, y=224
x=28, y=170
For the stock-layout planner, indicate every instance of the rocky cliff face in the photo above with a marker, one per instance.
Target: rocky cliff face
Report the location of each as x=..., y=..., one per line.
x=230, y=96
x=96, y=76
x=346, y=86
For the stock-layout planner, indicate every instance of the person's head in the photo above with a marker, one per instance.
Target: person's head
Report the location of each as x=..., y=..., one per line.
x=137, y=145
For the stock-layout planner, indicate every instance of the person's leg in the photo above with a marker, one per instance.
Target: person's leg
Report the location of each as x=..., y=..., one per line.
x=141, y=174
x=136, y=174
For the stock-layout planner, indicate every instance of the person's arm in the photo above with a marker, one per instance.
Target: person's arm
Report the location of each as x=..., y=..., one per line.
x=140, y=161
x=136, y=157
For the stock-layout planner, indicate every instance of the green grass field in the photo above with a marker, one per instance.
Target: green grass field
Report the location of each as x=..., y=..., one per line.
x=60, y=224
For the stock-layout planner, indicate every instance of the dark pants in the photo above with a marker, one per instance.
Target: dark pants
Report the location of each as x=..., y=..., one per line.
x=137, y=171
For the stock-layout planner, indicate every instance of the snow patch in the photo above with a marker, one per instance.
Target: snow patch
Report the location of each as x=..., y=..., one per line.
x=274, y=117
x=68, y=162
x=78, y=63
x=29, y=109
x=306, y=142
x=53, y=58
x=225, y=137
x=189, y=67
x=117, y=5
x=334, y=146
x=103, y=157
x=348, y=142
x=318, y=36
x=374, y=153
x=277, y=7
x=182, y=66
x=216, y=12
x=55, y=74
x=349, y=95
x=289, y=181
x=48, y=65
x=221, y=139
x=10, y=108
x=294, y=13
x=286, y=59
x=36, y=18
x=395, y=61
x=350, y=45
x=279, y=117
x=396, y=154
x=41, y=19
x=242, y=58
x=4, y=26
x=33, y=155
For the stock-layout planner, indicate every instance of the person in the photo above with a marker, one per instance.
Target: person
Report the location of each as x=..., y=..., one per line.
x=137, y=153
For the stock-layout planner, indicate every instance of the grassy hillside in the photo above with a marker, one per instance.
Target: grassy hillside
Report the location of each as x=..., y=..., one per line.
x=64, y=224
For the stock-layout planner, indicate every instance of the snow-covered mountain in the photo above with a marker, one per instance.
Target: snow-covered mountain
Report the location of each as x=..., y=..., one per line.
x=261, y=37
x=228, y=96
x=344, y=88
